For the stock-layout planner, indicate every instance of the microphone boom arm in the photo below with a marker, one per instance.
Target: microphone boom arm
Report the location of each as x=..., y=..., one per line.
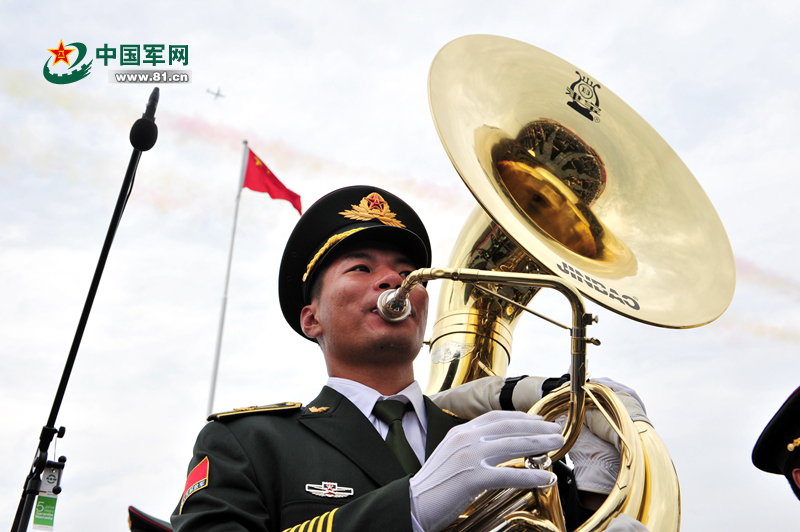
x=33, y=481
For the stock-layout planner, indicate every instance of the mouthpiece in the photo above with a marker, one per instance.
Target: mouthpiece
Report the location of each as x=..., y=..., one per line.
x=393, y=305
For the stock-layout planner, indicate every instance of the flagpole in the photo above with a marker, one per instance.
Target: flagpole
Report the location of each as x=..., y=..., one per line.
x=227, y=279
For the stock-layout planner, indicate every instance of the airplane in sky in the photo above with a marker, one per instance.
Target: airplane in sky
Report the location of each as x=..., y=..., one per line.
x=217, y=94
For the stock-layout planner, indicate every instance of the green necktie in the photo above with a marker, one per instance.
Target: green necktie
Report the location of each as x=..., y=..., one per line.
x=391, y=412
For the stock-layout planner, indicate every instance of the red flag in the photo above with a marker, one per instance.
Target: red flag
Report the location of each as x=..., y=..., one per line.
x=261, y=179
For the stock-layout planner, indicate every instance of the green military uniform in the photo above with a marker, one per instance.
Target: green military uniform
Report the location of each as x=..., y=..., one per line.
x=263, y=470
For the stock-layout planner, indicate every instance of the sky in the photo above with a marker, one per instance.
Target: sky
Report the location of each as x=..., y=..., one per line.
x=335, y=94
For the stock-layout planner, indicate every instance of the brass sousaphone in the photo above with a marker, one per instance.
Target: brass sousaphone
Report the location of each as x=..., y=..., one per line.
x=577, y=193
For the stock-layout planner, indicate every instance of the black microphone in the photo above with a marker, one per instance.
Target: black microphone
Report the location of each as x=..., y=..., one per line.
x=152, y=103
x=144, y=132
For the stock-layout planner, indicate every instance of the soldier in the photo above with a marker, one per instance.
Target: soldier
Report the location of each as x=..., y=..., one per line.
x=370, y=452
x=778, y=448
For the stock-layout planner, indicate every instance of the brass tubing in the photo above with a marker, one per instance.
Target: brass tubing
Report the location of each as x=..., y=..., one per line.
x=577, y=402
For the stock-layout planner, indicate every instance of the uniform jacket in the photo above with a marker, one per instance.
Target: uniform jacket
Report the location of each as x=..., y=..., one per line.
x=262, y=470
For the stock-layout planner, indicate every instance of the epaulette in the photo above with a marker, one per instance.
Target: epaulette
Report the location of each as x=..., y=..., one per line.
x=247, y=410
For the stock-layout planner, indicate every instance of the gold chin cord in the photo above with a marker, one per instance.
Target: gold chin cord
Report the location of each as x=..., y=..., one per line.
x=579, y=194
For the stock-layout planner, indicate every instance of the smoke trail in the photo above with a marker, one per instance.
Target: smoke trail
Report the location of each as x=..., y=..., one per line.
x=750, y=272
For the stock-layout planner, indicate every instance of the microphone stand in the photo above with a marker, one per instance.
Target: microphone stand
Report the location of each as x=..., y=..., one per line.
x=143, y=136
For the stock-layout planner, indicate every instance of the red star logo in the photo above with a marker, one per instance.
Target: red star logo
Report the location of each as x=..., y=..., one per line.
x=61, y=53
x=375, y=201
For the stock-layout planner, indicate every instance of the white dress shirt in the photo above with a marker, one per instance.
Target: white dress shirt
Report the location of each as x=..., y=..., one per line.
x=415, y=422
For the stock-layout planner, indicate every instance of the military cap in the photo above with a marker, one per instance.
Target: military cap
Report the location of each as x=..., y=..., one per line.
x=139, y=521
x=350, y=214
x=779, y=443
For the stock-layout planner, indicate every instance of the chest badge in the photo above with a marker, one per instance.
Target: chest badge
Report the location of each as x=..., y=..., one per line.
x=329, y=489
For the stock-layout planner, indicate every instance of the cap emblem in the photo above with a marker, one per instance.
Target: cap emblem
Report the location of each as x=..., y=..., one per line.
x=373, y=207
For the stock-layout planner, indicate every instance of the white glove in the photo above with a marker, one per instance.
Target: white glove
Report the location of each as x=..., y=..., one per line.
x=463, y=465
x=474, y=398
x=621, y=388
x=626, y=523
x=598, y=424
x=595, y=461
x=477, y=397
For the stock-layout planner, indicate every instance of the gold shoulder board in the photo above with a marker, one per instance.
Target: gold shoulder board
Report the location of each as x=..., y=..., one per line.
x=247, y=410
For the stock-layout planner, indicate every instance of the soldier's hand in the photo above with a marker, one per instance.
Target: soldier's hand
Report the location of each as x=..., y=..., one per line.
x=464, y=464
x=626, y=391
x=597, y=422
x=595, y=461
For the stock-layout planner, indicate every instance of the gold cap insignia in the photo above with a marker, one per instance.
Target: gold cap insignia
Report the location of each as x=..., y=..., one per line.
x=318, y=409
x=793, y=445
x=373, y=207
